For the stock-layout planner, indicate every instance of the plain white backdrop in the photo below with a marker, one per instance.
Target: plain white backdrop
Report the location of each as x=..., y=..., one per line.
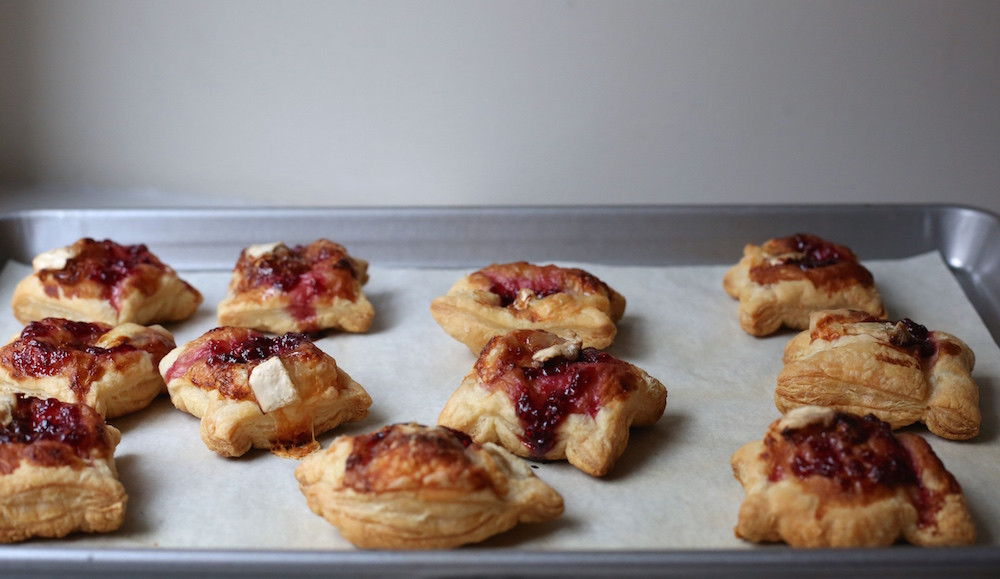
x=457, y=102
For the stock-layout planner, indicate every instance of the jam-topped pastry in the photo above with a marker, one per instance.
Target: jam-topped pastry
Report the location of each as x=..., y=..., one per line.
x=57, y=470
x=546, y=398
x=255, y=391
x=897, y=370
x=277, y=288
x=409, y=486
x=782, y=281
x=103, y=281
x=823, y=478
x=112, y=369
x=519, y=296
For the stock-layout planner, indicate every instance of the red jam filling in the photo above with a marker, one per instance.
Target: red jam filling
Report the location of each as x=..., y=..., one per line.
x=823, y=263
x=303, y=274
x=905, y=334
x=863, y=457
x=912, y=336
x=49, y=346
x=220, y=352
x=107, y=264
x=37, y=420
x=508, y=287
x=254, y=349
x=507, y=280
x=815, y=252
x=858, y=453
x=556, y=388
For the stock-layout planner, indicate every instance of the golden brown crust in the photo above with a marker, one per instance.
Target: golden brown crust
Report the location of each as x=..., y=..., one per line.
x=898, y=371
x=821, y=478
x=511, y=296
x=113, y=370
x=409, y=486
x=103, y=281
x=543, y=397
x=276, y=288
x=51, y=488
x=782, y=281
x=301, y=393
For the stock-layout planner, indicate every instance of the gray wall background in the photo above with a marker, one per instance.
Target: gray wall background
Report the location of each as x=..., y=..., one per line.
x=504, y=102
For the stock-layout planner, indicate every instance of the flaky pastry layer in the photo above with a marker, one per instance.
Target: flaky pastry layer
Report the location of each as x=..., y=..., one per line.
x=409, y=486
x=897, y=370
x=500, y=298
x=782, y=281
x=111, y=369
x=49, y=488
x=869, y=490
x=108, y=283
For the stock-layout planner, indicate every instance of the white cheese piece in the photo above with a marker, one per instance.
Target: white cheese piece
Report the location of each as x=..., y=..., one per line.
x=53, y=259
x=805, y=415
x=271, y=385
x=523, y=299
x=259, y=249
x=568, y=349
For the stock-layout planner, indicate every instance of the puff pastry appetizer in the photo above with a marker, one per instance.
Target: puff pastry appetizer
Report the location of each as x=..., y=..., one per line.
x=782, y=281
x=546, y=398
x=111, y=369
x=517, y=296
x=409, y=486
x=57, y=470
x=822, y=478
x=276, y=288
x=255, y=391
x=103, y=281
x=898, y=371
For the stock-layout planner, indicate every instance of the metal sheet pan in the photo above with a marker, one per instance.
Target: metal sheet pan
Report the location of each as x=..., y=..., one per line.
x=206, y=239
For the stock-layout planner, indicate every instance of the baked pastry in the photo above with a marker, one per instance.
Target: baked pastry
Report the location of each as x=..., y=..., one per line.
x=111, y=369
x=546, y=398
x=276, y=288
x=408, y=486
x=823, y=478
x=517, y=296
x=57, y=470
x=102, y=281
x=251, y=390
x=898, y=371
x=782, y=281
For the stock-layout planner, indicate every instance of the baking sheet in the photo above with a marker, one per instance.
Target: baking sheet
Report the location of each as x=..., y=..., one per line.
x=673, y=488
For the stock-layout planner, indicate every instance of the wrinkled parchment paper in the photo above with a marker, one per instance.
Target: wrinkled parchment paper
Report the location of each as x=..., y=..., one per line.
x=672, y=489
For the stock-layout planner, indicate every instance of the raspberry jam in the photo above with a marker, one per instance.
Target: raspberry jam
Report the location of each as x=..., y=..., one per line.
x=556, y=389
x=507, y=280
x=107, y=264
x=545, y=393
x=823, y=263
x=51, y=346
x=223, y=347
x=859, y=453
x=303, y=274
x=815, y=251
x=863, y=459
x=912, y=336
x=42, y=430
x=905, y=334
x=255, y=348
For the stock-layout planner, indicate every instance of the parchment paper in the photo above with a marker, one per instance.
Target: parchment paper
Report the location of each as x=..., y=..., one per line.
x=672, y=489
